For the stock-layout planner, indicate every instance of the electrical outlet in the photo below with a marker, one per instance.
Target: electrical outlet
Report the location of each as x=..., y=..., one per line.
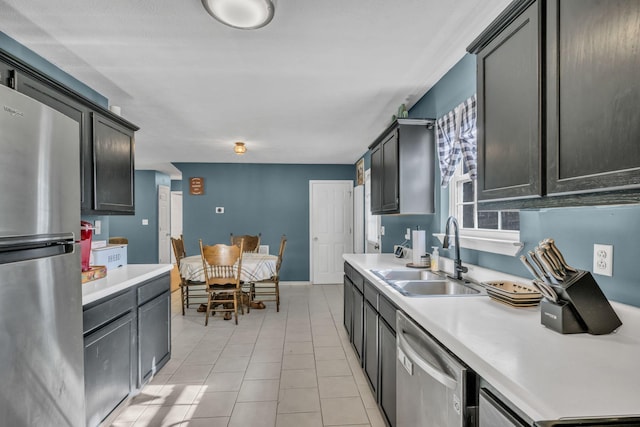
x=382, y=230
x=97, y=227
x=603, y=260
x=407, y=235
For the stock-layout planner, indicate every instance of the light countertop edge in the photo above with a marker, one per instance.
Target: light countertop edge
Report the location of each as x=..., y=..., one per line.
x=120, y=279
x=547, y=375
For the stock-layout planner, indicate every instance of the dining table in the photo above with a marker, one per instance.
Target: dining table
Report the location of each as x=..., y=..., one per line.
x=255, y=267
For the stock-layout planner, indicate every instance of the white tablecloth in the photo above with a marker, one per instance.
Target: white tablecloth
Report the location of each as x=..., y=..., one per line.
x=254, y=267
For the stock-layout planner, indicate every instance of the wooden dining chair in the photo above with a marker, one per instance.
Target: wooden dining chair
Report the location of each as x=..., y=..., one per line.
x=222, y=268
x=189, y=289
x=270, y=288
x=251, y=243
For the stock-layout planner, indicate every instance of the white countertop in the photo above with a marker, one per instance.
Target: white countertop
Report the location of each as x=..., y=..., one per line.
x=545, y=374
x=120, y=279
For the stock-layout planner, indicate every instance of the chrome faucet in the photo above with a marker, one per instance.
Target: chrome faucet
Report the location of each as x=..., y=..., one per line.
x=458, y=269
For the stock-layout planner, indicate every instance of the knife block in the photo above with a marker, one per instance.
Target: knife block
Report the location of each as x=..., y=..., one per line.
x=588, y=303
x=560, y=317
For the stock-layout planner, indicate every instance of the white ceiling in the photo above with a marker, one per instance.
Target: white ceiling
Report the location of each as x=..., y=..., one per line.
x=317, y=85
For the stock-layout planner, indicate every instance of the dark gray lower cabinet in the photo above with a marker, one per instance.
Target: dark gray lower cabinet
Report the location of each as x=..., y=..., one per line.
x=154, y=331
x=369, y=321
x=348, y=305
x=370, y=360
x=387, y=366
x=357, y=323
x=127, y=338
x=110, y=354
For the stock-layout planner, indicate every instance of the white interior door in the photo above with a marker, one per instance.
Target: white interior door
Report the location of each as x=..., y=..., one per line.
x=164, y=225
x=176, y=217
x=331, y=225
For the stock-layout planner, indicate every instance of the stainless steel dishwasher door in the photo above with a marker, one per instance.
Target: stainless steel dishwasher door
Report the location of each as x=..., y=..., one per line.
x=431, y=384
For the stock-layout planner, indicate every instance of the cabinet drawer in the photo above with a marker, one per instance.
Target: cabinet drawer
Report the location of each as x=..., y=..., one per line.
x=371, y=294
x=153, y=288
x=355, y=277
x=105, y=311
x=387, y=311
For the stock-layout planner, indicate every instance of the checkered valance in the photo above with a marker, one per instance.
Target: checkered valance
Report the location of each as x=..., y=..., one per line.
x=457, y=138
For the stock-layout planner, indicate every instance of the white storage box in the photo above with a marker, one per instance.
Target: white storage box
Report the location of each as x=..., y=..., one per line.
x=112, y=256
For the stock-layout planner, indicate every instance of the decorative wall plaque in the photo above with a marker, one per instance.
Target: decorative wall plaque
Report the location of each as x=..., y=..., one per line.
x=196, y=186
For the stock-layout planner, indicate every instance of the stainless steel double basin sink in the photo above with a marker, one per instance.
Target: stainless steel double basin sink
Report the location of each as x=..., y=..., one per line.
x=424, y=283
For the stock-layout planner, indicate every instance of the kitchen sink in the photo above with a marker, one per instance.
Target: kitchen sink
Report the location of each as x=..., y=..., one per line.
x=433, y=287
x=406, y=275
x=424, y=283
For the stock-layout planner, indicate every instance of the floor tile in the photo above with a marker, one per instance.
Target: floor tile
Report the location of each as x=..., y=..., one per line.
x=301, y=419
x=298, y=361
x=298, y=378
x=223, y=381
x=205, y=422
x=299, y=347
x=333, y=368
x=162, y=416
x=343, y=410
x=329, y=353
x=231, y=364
x=337, y=387
x=267, y=355
x=299, y=400
x=259, y=391
x=263, y=371
x=213, y=404
x=247, y=414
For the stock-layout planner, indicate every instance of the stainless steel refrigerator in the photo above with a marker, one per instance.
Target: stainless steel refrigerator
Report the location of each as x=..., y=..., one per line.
x=41, y=347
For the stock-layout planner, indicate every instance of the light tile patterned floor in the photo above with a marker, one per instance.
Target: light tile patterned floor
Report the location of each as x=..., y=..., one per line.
x=292, y=368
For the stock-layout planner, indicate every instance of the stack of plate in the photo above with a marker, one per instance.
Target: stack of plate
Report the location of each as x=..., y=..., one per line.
x=513, y=294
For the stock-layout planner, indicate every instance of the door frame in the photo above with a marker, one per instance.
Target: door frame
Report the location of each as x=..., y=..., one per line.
x=311, y=216
x=176, y=213
x=163, y=251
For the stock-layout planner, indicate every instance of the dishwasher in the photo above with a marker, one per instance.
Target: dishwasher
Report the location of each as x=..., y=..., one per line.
x=433, y=388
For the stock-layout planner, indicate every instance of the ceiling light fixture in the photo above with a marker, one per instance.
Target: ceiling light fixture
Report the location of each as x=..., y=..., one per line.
x=242, y=14
x=240, y=149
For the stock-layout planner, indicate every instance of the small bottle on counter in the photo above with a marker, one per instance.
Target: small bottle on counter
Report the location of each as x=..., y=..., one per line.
x=435, y=258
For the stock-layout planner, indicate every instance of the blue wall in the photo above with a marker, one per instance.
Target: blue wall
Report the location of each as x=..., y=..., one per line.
x=272, y=199
x=143, y=239
x=575, y=230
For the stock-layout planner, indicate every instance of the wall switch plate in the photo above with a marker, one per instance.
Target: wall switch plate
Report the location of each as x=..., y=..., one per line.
x=603, y=260
x=219, y=210
x=145, y=222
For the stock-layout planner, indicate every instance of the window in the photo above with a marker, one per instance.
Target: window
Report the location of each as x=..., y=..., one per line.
x=491, y=231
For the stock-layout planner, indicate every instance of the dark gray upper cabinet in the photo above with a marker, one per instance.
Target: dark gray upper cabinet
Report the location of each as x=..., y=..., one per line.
x=105, y=144
x=509, y=134
x=558, y=98
x=402, y=168
x=593, y=92
x=113, y=151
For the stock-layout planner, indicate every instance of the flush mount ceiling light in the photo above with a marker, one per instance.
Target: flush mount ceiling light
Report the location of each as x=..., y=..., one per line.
x=242, y=14
x=240, y=149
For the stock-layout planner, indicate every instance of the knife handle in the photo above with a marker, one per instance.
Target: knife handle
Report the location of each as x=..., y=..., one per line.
x=559, y=255
x=536, y=261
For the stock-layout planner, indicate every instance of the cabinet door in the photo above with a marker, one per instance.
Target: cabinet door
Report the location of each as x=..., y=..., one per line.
x=113, y=166
x=109, y=364
x=390, y=167
x=42, y=92
x=387, y=360
x=348, y=306
x=357, y=323
x=370, y=362
x=154, y=336
x=509, y=102
x=593, y=91
x=376, y=179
